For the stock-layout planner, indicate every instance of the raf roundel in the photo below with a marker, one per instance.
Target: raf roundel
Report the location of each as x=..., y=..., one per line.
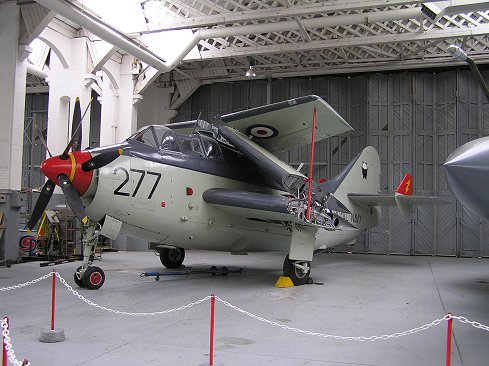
x=262, y=131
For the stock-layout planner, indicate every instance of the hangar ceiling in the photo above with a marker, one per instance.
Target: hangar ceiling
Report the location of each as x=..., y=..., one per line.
x=287, y=38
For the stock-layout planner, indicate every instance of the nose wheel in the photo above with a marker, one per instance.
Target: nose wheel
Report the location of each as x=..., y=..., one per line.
x=298, y=271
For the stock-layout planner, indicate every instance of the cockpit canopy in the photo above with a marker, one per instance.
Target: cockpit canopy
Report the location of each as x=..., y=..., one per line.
x=166, y=140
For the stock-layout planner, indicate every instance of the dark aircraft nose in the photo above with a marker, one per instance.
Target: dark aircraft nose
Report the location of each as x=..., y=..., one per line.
x=70, y=167
x=468, y=175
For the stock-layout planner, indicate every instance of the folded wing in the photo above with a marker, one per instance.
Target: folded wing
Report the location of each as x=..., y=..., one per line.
x=285, y=125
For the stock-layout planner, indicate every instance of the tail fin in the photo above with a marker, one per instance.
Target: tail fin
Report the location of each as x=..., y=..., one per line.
x=406, y=186
x=361, y=175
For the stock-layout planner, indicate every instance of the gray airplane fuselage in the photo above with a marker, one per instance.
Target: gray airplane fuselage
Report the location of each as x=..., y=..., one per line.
x=468, y=175
x=158, y=196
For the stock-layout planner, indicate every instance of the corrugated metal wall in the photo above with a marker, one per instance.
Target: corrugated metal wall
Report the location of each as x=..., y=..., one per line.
x=414, y=120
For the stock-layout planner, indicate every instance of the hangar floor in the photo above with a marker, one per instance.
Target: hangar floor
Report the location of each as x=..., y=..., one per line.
x=359, y=295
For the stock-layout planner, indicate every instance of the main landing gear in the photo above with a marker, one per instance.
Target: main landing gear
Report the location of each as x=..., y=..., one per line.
x=91, y=277
x=172, y=258
x=298, y=271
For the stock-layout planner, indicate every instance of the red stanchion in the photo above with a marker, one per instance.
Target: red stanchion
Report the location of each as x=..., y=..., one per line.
x=53, y=300
x=311, y=166
x=449, y=341
x=4, y=357
x=211, y=340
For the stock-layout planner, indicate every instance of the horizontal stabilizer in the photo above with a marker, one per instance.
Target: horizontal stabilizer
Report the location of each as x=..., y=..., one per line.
x=393, y=199
x=403, y=198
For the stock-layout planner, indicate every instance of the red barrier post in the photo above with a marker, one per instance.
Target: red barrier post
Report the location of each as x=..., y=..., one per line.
x=449, y=341
x=211, y=341
x=4, y=357
x=311, y=166
x=53, y=299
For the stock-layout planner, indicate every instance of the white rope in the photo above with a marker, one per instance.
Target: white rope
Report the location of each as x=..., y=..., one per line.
x=337, y=337
x=15, y=287
x=8, y=346
x=91, y=303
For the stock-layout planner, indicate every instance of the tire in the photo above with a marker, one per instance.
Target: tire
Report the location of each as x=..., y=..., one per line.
x=298, y=277
x=93, y=278
x=78, y=281
x=172, y=258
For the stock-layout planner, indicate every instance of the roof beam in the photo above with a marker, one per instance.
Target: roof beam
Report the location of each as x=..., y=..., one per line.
x=348, y=42
x=275, y=13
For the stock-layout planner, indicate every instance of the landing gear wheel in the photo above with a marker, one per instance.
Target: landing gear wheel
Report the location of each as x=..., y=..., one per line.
x=78, y=281
x=298, y=271
x=172, y=258
x=93, y=278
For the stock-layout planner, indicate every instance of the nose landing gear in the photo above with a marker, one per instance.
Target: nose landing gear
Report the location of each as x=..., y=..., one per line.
x=91, y=277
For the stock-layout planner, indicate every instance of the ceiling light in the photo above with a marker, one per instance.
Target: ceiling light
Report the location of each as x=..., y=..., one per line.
x=457, y=53
x=251, y=72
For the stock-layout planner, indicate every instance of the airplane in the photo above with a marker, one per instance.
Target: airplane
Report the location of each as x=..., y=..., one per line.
x=195, y=185
x=467, y=167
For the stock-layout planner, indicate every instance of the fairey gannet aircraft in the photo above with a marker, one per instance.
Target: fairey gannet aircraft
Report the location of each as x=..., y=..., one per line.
x=192, y=185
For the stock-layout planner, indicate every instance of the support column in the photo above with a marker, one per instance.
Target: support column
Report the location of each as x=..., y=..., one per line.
x=127, y=110
x=119, y=105
x=67, y=81
x=12, y=97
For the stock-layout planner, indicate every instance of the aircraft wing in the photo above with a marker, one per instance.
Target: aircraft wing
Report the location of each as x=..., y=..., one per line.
x=283, y=174
x=252, y=205
x=285, y=125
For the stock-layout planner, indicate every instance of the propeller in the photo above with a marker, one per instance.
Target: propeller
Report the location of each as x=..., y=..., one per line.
x=41, y=204
x=56, y=167
x=73, y=197
x=101, y=160
x=76, y=134
x=76, y=130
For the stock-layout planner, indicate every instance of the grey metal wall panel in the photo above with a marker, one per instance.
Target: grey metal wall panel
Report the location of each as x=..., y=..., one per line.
x=258, y=92
x=424, y=237
x=446, y=129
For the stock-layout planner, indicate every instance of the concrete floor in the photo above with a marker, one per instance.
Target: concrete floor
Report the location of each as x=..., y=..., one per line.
x=360, y=295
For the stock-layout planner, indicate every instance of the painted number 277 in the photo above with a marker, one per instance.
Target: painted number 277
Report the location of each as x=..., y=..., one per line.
x=119, y=190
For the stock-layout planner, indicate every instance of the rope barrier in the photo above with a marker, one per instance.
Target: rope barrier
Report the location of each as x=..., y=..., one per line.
x=8, y=346
x=435, y=322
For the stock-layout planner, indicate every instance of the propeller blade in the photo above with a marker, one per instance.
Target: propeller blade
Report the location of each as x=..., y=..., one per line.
x=72, y=197
x=41, y=204
x=74, y=132
x=43, y=140
x=101, y=160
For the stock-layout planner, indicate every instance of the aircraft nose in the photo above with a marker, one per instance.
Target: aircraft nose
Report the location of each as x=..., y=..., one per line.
x=468, y=175
x=71, y=167
x=54, y=166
